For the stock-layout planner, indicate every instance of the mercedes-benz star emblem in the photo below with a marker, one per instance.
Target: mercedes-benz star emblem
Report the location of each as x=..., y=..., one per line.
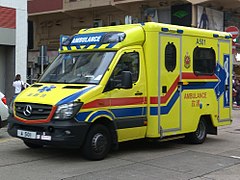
x=27, y=111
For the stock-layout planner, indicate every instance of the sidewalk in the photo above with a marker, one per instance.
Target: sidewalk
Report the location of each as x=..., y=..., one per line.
x=235, y=107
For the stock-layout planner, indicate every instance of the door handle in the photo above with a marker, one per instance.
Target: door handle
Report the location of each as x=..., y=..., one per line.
x=138, y=93
x=164, y=89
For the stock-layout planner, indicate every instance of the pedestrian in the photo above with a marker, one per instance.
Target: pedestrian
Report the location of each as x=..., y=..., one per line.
x=234, y=91
x=18, y=84
x=237, y=88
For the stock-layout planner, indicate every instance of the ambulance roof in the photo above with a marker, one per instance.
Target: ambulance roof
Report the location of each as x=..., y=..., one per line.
x=161, y=27
x=116, y=37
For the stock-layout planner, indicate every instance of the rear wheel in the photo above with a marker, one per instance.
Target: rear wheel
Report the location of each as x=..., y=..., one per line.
x=199, y=136
x=98, y=143
x=32, y=145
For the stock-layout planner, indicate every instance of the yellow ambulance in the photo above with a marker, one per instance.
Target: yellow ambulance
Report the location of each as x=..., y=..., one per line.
x=119, y=83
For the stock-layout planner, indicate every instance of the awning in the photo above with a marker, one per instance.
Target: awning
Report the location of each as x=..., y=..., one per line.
x=197, y=1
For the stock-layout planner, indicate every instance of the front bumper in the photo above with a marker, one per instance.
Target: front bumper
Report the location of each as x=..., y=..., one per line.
x=68, y=133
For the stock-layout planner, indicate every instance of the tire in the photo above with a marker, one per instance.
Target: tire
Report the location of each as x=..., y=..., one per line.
x=32, y=145
x=199, y=136
x=98, y=143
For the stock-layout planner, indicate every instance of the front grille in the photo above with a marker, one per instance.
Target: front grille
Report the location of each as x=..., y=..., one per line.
x=38, y=111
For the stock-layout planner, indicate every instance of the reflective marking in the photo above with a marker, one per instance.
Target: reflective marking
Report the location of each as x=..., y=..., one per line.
x=235, y=157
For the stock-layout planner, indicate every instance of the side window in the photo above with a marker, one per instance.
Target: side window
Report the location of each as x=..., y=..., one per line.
x=170, y=57
x=204, y=61
x=127, y=62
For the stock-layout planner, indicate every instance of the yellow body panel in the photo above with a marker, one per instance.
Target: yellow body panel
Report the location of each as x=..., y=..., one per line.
x=131, y=134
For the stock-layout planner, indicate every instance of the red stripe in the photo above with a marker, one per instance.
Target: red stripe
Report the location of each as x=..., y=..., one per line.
x=164, y=99
x=193, y=76
x=115, y=102
x=97, y=103
x=127, y=101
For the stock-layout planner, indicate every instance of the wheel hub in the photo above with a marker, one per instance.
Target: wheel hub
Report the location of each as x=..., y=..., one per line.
x=99, y=142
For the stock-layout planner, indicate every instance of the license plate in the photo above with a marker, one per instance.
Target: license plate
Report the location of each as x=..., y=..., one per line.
x=27, y=134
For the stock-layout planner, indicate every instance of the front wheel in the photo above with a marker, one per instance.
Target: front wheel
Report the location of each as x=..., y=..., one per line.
x=199, y=136
x=98, y=143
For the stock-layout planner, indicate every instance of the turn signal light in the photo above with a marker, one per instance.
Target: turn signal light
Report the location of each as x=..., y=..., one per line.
x=4, y=100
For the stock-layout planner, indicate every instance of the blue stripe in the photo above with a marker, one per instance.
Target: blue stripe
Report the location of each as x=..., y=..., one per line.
x=69, y=48
x=201, y=85
x=167, y=108
x=111, y=45
x=97, y=46
x=99, y=113
x=153, y=111
x=123, y=112
x=82, y=116
x=78, y=47
x=74, y=96
x=85, y=47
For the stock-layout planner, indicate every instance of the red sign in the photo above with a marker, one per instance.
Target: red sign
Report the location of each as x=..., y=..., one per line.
x=233, y=30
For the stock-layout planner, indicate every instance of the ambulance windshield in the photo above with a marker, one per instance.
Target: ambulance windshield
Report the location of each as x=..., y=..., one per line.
x=78, y=68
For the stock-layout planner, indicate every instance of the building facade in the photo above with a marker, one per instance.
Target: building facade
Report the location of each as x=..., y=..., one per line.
x=50, y=19
x=13, y=43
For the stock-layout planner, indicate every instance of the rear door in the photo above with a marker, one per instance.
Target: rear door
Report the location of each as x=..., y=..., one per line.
x=223, y=73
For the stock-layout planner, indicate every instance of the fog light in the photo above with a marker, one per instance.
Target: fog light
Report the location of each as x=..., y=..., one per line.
x=51, y=129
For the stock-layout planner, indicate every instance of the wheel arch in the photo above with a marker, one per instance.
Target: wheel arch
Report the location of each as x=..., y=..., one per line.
x=211, y=129
x=109, y=123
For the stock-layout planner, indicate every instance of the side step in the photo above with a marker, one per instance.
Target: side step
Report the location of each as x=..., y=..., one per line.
x=171, y=138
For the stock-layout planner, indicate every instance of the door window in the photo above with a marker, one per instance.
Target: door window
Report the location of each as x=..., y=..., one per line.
x=170, y=57
x=127, y=62
x=204, y=61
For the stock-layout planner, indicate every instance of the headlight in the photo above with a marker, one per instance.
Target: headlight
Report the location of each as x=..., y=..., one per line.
x=67, y=111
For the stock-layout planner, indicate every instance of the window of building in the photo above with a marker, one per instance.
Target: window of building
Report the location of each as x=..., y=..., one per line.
x=170, y=57
x=204, y=61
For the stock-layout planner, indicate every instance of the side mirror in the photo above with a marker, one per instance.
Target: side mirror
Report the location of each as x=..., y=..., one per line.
x=123, y=81
x=126, y=80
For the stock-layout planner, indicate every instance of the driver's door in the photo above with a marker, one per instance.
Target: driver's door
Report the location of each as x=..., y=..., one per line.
x=129, y=105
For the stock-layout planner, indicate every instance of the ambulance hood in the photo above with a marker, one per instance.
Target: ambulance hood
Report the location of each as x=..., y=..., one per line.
x=53, y=94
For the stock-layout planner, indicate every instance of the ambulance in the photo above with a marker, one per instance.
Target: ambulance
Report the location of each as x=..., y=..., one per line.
x=120, y=83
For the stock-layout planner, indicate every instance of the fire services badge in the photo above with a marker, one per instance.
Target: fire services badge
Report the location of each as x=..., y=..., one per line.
x=187, y=61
